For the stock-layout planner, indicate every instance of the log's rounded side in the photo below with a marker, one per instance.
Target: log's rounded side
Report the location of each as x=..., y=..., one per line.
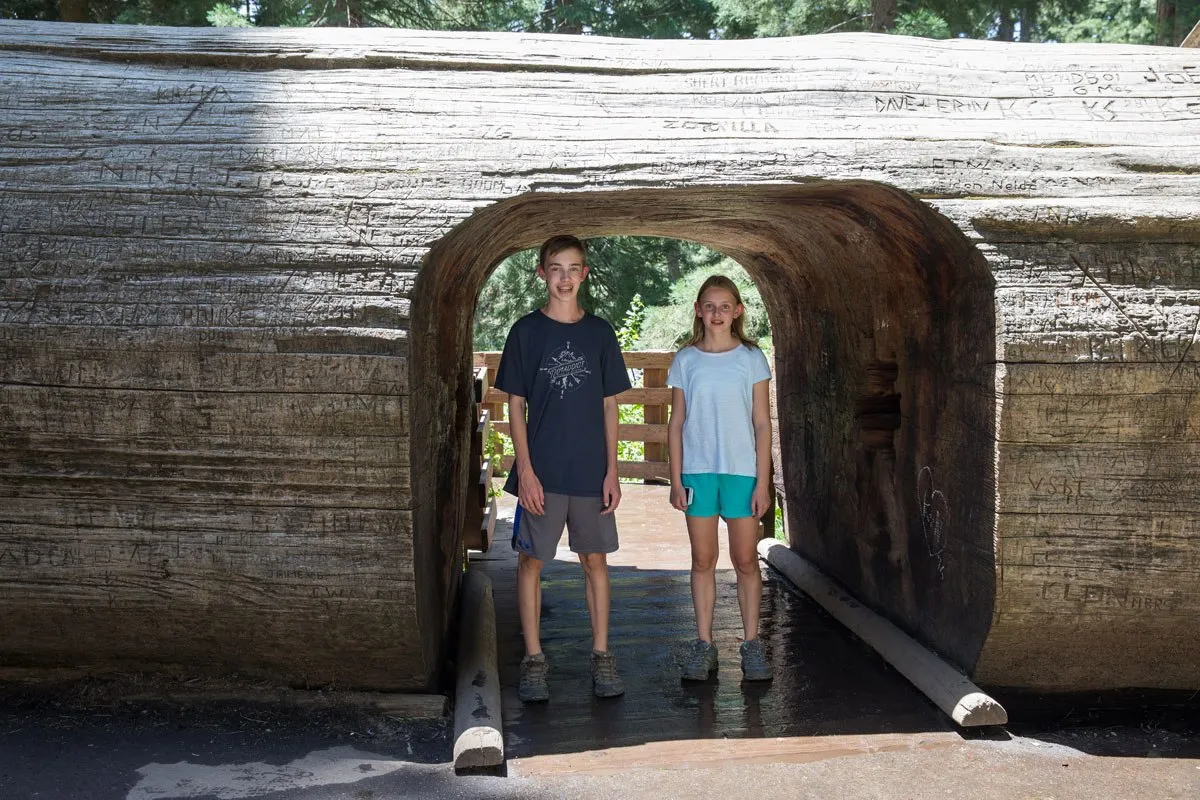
x=478, y=730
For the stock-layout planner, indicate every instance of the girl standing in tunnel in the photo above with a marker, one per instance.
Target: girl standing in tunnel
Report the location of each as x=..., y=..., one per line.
x=719, y=438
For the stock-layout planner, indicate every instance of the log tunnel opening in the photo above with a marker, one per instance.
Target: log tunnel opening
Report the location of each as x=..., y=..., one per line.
x=884, y=329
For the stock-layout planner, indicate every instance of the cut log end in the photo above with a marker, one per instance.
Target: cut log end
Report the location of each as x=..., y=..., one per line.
x=978, y=709
x=478, y=747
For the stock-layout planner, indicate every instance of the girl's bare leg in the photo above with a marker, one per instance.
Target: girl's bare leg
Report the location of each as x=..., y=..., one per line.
x=743, y=552
x=703, y=534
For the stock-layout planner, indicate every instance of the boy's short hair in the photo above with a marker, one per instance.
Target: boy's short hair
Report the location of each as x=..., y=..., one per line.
x=556, y=244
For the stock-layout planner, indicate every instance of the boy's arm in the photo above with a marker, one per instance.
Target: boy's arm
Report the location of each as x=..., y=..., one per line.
x=529, y=488
x=675, y=448
x=612, y=485
x=762, y=448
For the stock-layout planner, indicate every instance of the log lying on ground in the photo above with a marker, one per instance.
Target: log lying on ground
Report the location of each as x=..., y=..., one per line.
x=946, y=687
x=478, y=727
x=238, y=272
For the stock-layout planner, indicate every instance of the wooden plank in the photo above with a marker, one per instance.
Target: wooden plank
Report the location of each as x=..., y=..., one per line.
x=655, y=378
x=485, y=483
x=487, y=527
x=649, y=360
x=489, y=359
x=630, y=432
x=481, y=383
x=631, y=397
x=472, y=522
x=479, y=437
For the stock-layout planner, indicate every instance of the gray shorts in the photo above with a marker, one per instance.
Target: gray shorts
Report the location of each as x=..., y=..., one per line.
x=589, y=530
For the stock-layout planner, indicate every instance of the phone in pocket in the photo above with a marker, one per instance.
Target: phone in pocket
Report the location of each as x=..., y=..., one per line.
x=687, y=496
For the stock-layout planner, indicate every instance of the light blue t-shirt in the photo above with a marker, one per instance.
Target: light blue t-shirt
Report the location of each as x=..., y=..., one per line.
x=718, y=394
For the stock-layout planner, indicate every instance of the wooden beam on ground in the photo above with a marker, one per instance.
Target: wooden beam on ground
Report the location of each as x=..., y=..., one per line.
x=948, y=688
x=478, y=730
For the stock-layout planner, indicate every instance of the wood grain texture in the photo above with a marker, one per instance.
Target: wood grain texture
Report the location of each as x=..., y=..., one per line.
x=238, y=270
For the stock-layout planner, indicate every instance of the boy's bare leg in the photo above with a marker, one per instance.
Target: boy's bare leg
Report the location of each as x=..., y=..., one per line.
x=743, y=552
x=529, y=601
x=595, y=578
x=703, y=533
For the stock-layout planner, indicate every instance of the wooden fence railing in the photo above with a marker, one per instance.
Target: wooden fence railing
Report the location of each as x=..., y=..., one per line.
x=653, y=395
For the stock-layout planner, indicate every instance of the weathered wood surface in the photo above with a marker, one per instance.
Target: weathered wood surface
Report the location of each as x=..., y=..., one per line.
x=237, y=273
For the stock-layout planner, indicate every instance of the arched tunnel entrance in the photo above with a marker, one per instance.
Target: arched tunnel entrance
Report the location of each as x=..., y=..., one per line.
x=884, y=329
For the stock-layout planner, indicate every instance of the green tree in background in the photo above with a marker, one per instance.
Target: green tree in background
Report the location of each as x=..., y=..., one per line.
x=1164, y=22
x=667, y=325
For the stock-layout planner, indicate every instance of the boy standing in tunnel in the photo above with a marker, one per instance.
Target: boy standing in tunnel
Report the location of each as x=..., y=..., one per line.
x=562, y=368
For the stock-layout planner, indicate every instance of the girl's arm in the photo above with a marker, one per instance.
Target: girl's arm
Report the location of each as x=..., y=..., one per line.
x=675, y=448
x=762, y=448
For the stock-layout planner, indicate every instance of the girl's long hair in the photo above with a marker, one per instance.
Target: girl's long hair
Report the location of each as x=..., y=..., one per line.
x=737, y=327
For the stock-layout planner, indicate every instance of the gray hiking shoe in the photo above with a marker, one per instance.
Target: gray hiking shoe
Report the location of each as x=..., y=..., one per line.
x=701, y=661
x=533, y=687
x=755, y=666
x=605, y=680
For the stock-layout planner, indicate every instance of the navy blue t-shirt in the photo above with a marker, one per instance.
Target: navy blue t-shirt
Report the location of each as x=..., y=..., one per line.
x=564, y=371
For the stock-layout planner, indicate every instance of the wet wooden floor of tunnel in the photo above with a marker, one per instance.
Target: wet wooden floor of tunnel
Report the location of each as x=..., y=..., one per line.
x=827, y=683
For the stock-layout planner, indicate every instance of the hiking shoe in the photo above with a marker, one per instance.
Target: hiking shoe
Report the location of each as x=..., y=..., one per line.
x=701, y=661
x=533, y=679
x=605, y=680
x=754, y=661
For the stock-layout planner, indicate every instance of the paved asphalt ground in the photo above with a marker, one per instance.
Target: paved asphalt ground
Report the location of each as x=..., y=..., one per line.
x=50, y=750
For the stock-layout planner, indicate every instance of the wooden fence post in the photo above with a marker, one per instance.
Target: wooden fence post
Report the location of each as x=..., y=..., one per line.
x=655, y=378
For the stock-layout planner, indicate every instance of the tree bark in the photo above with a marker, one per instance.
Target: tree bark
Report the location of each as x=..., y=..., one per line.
x=883, y=15
x=1005, y=31
x=1165, y=23
x=555, y=21
x=73, y=11
x=674, y=272
x=1029, y=22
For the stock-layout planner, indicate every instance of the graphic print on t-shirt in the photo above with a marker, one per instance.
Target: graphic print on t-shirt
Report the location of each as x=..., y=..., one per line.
x=566, y=370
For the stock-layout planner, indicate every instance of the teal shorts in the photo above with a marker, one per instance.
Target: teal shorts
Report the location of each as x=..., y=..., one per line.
x=713, y=494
